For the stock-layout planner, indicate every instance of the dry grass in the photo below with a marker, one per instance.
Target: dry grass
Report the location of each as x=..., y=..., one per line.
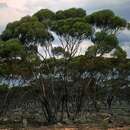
x=68, y=128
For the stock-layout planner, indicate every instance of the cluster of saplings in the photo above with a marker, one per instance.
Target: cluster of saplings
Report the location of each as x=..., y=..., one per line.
x=43, y=51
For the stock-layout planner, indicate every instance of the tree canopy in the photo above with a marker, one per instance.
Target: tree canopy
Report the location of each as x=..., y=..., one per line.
x=45, y=14
x=70, y=13
x=28, y=30
x=11, y=49
x=106, y=20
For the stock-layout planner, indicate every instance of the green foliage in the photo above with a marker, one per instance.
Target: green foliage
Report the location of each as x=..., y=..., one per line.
x=103, y=43
x=27, y=30
x=106, y=20
x=98, y=64
x=100, y=18
x=102, y=37
x=10, y=31
x=11, y=48
x=58, y=51
x=33, y=59
x=45, y=14
x=28, y=19
x=72, y=28
x=91, y=51
x=71, y=32
x=32, y=31
x=118, y=23
x=60, y=15
x=70, y=13
x=120, y=53
x=3, y=88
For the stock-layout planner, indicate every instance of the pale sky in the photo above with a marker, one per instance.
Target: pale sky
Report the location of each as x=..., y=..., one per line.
x=11, y=10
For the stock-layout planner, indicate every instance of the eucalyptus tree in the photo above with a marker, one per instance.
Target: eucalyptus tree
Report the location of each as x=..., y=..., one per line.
x=32, y=33
x=70, y=32
x=71, y=29
x=103, y=44
x=105, y=40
